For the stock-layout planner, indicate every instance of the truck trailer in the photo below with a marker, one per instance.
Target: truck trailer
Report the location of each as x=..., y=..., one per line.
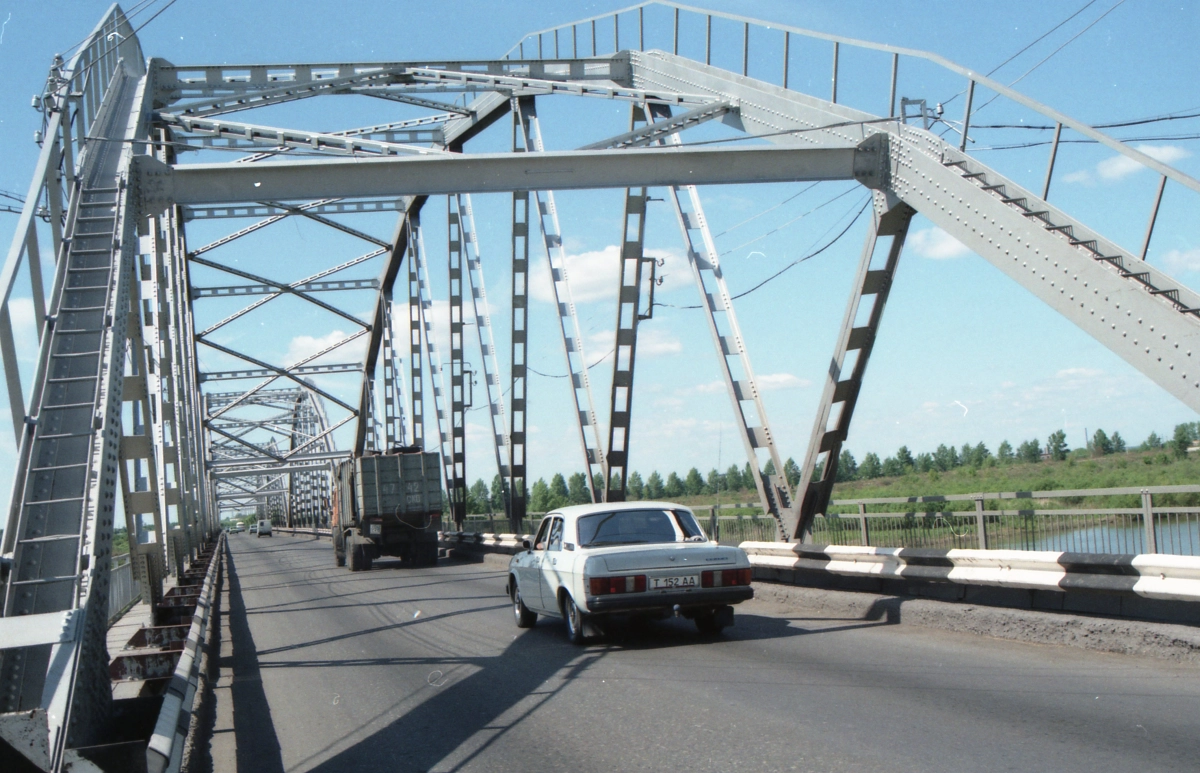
x=388, y=504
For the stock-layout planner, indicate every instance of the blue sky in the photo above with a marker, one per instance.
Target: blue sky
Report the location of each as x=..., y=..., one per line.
x=965, y=354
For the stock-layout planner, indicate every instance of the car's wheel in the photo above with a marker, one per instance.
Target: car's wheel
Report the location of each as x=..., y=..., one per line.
x=574, y=617
x=708, y=624
x=524, y=616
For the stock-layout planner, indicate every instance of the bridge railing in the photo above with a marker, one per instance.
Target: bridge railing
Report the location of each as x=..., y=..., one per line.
x=68, y=105
x=860, y=73
x=1117, y=521
x=123, y=589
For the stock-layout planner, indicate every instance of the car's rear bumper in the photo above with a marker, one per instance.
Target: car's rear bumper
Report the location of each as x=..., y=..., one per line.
x=644, y=602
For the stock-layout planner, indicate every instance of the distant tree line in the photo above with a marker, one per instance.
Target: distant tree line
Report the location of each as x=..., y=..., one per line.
x=573, y=489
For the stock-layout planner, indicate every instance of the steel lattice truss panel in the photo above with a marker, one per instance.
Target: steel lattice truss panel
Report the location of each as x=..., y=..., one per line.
x=191, y=365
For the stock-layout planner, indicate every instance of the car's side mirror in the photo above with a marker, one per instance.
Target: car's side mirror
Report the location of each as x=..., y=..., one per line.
x=525, y=544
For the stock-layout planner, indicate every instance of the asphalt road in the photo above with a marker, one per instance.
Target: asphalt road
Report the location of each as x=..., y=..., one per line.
x=403, y=669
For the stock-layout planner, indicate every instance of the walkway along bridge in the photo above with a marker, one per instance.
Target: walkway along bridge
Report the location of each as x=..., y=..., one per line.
x=118, y=420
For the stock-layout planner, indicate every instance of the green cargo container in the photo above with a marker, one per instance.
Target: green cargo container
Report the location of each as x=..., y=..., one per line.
x=398, y=484
x=388, y=505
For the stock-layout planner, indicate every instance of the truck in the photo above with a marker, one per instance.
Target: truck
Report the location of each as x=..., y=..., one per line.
x=387, y=504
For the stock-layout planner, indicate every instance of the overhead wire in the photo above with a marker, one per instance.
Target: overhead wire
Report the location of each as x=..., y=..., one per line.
x=1028, y=46
x=794, y=263
x=1047, y=58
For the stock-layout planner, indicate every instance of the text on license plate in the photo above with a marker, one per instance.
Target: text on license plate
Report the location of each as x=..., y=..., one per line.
x=685, y=581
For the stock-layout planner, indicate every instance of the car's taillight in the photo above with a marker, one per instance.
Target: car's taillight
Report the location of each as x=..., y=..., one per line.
x=602, y=586
x=723, y=578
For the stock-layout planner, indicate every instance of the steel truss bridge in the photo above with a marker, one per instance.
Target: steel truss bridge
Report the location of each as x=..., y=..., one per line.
x=119, y=425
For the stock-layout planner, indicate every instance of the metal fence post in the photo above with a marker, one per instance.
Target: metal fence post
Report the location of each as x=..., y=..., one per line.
x=714, y=525
x=980, y=523
x=863, y=531
x=1148, y=521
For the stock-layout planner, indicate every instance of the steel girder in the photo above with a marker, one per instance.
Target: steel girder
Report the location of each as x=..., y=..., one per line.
x=578, y=369
x=56, y=691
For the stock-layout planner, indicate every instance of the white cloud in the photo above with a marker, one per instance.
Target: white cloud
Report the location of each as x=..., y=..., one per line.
x=1182, y=260
x=651, y=342
x=936, y=244
x=1079, y=372
x=1119, y=167
x=654, y=342
x=711, y=387
x=592, y=276
x=775, y=381
x=304, y=346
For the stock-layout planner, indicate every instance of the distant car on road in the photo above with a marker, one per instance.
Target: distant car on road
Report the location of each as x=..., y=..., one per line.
x=264, y=528
x=650, y=559
x=254, y=528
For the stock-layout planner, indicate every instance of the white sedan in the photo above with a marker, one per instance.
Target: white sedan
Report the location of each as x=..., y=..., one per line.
x=642, y=558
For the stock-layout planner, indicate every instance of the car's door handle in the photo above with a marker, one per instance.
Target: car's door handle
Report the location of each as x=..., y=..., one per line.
x=553, y=562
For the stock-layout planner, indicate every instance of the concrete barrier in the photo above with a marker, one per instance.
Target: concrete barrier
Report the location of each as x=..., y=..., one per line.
x=1155, y=587
x=302, y=532
x=474, y=543
x=165, y=751
x=1154, y=576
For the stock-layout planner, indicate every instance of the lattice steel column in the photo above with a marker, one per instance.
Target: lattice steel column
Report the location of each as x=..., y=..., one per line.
x=568, y=319
x=487, y=344
x=520, y=326
x=434, y=361
x=890, y=219
x=773, y=490
x=393, y=400
x=629, y=290
x=415, y=345
x=458, y=409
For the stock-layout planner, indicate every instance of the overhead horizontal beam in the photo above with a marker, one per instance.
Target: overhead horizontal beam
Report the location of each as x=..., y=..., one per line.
x=162, y=185
x=304, y=287
x=260, y=210
x=266, y=465
x=304, y=370
x=218, y=474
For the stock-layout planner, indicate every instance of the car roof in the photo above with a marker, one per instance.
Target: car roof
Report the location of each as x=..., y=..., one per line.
x=576, y=511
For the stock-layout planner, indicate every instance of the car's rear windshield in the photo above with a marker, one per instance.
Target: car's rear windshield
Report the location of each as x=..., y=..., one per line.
x=635, y=527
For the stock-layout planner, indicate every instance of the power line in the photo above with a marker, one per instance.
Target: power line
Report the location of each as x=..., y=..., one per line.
x=1047, y=58
x=769, y=209
x=589, y=367
x=789, y=222
x=791, y=265
x=1042, y=37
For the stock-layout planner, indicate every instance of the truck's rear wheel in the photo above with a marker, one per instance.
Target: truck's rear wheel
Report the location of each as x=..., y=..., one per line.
x=339, y=557
x=355, y=555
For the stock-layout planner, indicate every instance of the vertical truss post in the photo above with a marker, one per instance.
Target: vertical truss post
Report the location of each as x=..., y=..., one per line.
x=387, y=280
x=748, y=409
x=458, y=410
x=629, y=289
x=415, y=346
x=434, y=360
x=522, y=106
x=487, y=344
x=394, y=431
x=568, y=319
x=890, y=218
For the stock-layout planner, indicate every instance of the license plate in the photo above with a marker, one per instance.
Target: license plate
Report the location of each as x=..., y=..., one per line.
x=377, y=528
x=685, y=581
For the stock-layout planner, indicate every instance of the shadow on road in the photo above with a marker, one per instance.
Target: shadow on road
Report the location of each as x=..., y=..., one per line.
x=458, y=711
x=257, y=743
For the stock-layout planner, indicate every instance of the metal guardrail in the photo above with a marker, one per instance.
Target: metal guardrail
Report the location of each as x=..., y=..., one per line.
x=165, y=750
x=1175, y=578
x=123, y=590
x=1147, y=528
x=565, y=40
x=310, y=532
